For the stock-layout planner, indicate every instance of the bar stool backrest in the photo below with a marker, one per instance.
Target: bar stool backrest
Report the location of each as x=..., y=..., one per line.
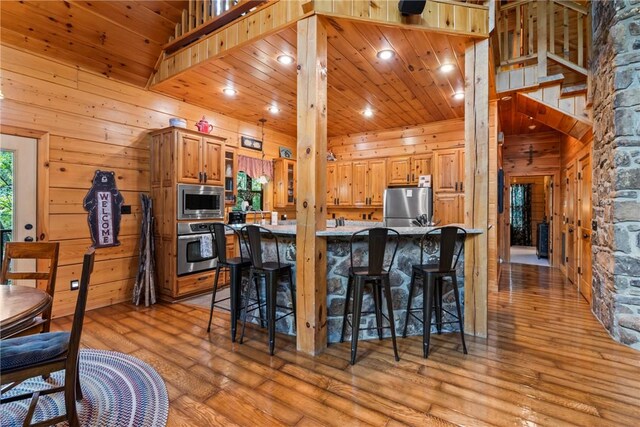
x=377, y=244
x=451, y=242
x=252, y=235
x=220, y=238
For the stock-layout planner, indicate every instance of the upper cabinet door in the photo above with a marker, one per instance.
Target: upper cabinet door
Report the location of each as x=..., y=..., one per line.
x=189, y=158
x=420, y=166
x=332, y=184
x=166, y=159
x=446, y=177
x=212, y=157
x=399, y=170
x=345, y=178
x=359, y=188
x=156, y=160
x=377, y=181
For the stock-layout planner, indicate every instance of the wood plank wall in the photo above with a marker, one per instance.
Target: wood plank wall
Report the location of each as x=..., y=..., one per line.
x=92, y=122
x=399, y=142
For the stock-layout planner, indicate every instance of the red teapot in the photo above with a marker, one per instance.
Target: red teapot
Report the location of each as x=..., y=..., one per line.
x=204, y=126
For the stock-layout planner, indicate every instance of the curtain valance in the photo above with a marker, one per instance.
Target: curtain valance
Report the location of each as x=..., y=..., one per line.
x=255, y=167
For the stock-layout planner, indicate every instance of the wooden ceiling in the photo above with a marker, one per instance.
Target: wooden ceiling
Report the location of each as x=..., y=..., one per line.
x=120, y=39
x=513, y=122
x=407, y=90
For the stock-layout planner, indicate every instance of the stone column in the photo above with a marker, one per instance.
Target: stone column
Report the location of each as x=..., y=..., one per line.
x=616, y=167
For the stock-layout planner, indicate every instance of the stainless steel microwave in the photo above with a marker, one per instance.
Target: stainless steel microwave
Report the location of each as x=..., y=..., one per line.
x=200, y=201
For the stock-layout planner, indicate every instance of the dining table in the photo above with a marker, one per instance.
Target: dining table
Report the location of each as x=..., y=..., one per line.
x=19, y=308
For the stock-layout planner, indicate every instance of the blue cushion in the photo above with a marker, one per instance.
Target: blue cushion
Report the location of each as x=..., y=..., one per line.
x=24, y=351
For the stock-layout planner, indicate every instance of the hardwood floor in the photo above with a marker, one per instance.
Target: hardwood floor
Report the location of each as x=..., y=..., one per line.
x=547, y=361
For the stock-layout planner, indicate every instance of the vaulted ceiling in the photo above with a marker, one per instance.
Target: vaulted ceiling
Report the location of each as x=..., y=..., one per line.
x=120, y=39
x=124, y=40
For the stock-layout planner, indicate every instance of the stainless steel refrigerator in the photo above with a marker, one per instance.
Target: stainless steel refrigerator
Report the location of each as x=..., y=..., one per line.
x=403, y=205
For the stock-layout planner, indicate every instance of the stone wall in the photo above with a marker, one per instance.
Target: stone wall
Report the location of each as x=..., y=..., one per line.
x=338, y=263
x=616, y=174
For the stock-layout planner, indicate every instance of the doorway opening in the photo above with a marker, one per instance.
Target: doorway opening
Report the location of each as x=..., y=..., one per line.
x=18, y=199
x=530, y=212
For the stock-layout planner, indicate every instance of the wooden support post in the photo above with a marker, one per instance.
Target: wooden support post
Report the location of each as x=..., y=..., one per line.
x=476, y=129
x=311, y=212
x=542, y=39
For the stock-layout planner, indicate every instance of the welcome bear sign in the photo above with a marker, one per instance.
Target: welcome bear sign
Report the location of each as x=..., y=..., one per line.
x=103, y=202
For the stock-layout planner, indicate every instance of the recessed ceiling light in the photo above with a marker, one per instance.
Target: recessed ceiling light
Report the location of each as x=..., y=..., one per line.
x=445, y=68
x=458, y=95
x=385, y=54
x=368, y=112
x=273, y=109
x=285, y=59
x=532, y=127
x=229, y=91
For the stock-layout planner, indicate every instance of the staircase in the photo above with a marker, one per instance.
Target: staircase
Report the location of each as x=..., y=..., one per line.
x=543, y=52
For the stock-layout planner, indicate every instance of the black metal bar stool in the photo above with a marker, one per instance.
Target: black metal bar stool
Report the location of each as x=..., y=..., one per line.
x=376, y=272
x=236, y=266
x=451, y=242
x=271, y=271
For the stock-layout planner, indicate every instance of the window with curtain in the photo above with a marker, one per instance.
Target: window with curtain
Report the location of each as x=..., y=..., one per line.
x=249, y=190
x=521, y=215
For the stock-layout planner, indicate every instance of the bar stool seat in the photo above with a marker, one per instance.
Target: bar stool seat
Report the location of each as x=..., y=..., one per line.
x=236, y=267
x=377, y=275
x=271, y=271
x=451, y=242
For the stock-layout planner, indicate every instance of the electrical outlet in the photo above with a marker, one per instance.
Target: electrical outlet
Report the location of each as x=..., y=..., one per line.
x=75, y=284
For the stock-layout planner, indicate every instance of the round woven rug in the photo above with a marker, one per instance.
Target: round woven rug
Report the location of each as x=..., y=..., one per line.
x=118, y=389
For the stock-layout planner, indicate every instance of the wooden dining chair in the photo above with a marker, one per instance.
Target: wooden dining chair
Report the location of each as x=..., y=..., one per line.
x=42, y=354
x=39, y=251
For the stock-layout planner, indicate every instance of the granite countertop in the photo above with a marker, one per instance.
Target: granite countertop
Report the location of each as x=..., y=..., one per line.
x=348, y=230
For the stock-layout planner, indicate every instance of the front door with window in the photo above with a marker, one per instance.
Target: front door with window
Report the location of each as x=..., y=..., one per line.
x=18, y=157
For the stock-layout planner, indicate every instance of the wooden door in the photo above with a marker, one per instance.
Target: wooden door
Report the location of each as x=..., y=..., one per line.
x=420, y=166
x=279, y=190
x=189, y=158
x=345, y=178
x=446, y=208
x=359, y=187
x=446, y=177
x=332, y=184
x=399, y=170
x=570, y=223
x=584, y=227
x=377, y=181
x=461, y=170
x=212, y=161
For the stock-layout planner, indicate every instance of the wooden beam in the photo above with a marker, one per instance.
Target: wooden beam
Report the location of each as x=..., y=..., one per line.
x=476, y=122
x=311, y=207
x=542, y=38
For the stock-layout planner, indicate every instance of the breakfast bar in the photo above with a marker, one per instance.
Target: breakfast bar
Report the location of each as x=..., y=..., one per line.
x=338, y=263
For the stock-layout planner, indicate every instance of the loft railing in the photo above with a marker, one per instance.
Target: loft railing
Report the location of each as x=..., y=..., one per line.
x=535, y=31
x=205, y=16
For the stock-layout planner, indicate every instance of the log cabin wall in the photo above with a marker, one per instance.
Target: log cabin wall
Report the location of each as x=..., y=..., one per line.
x=90, y=122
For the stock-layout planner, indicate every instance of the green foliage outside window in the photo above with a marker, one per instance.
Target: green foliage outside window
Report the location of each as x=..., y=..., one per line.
x=6, y=189
x=249, y=190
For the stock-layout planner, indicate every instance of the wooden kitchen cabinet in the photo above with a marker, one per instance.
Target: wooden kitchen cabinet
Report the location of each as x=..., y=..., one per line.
x=407, y=170
x=284, y=180
x=448, y=208
x=180, y=156
x=339, y=183
x=449, y=171
x=199, y=158
x=368, y=182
